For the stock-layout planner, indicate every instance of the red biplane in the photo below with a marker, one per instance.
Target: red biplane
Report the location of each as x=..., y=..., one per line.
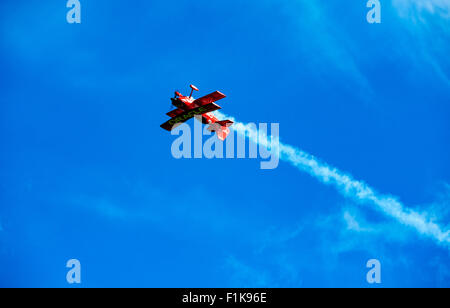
x=201, y=108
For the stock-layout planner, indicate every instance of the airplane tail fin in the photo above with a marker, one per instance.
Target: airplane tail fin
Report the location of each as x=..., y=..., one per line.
x=221, y=128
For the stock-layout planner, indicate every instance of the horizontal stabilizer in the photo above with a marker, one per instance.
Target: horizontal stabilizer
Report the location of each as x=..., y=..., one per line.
x=225, y=123
x=221, y=128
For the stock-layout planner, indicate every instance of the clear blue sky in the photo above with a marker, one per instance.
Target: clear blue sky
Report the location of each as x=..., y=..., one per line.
x=87, y=173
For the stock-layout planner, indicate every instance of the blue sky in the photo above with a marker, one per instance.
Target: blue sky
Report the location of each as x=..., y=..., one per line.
x=87, y=172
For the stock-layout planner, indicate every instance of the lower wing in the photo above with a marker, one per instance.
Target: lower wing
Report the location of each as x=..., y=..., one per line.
x=189, y=114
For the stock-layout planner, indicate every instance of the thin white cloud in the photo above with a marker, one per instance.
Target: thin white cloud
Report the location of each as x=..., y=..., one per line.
x=242, y=275
x=357, y=191
x=353, y=224
x=274, y=236
x=428, y=23
x=329, y=42
x=416, y=8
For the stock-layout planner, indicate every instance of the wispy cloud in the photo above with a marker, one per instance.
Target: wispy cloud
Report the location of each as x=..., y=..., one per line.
x=427, y=22
x=275, y=236
x=353, y=224
x=243, y=275
x=417, y=7
x=150, y=206
x=358, y=191
x=349, y=230
x=326, y=45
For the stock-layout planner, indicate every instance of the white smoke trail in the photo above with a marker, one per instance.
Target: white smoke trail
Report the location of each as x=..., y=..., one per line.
x=346, y=184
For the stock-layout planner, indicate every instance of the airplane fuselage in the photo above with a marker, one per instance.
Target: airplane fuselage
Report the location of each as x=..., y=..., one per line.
x=187, y=103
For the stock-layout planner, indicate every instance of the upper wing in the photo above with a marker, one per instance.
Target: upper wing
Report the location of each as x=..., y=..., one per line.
x=186, y=115
x=210, y=98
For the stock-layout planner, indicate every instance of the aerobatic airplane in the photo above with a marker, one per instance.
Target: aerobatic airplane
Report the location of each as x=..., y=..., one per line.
x=201, y=108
